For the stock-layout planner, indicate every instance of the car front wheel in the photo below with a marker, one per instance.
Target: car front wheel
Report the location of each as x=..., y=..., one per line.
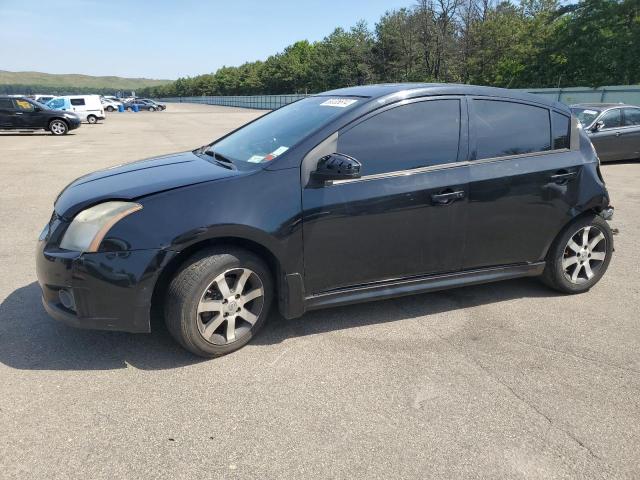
x=110, y=109
x=580, y=255
x=151, y=109
x=92, y=119
x=58, y=127
x=218, y=301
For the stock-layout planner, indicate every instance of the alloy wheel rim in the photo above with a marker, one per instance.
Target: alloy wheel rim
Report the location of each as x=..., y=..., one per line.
x=584, y=255
x=230, y=306
x=57, y=127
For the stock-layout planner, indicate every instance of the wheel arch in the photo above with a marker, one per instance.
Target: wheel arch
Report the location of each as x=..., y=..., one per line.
x=169, y=270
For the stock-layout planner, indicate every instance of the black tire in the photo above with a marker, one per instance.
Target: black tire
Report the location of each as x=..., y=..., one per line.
x=563, y=260
x=152, y=109
x=92, y=119
x=110, y=109
x=194, y=282
x=58, y=127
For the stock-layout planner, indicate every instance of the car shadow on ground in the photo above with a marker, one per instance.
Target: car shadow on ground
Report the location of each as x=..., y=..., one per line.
x=30, y=340
x=31, y=134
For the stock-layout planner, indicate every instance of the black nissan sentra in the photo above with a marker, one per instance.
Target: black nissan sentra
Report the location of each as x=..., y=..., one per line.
x=356, y=194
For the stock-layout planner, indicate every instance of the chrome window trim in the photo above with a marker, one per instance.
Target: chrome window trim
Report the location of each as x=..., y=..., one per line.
x=444, y=166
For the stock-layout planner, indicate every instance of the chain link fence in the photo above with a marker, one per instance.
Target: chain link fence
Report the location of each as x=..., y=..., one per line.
x=612, y=94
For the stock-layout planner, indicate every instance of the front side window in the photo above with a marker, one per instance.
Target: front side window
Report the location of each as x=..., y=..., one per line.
x=631, y=117
x=275, y=133
x=508, y=128
x=561, y=130
x=77, y=102
x=420, y=134
x=56, y=103
x=611, y=119
x=24, y=105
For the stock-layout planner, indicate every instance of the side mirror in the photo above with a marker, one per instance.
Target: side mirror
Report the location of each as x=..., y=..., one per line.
x=598, y=126
x=336, y=167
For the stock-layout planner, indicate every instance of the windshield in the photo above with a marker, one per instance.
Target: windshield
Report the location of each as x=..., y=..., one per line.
x=274, y=134
x=585, y=116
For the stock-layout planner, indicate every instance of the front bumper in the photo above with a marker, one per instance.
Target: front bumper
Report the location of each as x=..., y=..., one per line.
x=108, y=291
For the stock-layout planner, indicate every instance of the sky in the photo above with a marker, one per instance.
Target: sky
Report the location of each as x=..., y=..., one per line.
x=165, y=39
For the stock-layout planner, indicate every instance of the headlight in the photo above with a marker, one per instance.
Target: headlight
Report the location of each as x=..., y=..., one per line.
x=90, y=226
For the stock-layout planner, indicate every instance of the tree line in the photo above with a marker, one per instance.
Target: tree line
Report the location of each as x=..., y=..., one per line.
x=533, y=43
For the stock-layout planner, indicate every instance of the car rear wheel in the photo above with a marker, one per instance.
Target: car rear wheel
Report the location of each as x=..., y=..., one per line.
x=218, y=301
x=58, y=127
x=92, y=119
x=580, y=255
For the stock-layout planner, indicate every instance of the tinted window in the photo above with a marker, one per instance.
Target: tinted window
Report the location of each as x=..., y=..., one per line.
x=77, y=101
x=411, y=136
x=561, y=130
x=508, y=128
x=23, y=105
x=612, y=118
x=6, y=104
x=631, y=116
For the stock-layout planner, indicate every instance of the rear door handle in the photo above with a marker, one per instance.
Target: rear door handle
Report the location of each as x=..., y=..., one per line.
x=562, y=176
x=447, y=196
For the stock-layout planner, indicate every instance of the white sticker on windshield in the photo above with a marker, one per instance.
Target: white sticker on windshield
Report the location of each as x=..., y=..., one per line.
x=279, y=151
x=255, y=159
x=590, y=112
x=338, y=102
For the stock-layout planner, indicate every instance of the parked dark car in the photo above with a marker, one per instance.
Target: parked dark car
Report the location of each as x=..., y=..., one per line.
x=356, y=194
x=21, y=113
x=614, y=129
x=159, y=105
x=143, y=105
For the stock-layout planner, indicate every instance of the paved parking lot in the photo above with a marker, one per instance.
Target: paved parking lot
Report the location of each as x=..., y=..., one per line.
x=508, y=380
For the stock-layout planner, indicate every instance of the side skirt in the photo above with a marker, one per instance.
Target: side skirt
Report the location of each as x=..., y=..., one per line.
x=415, y=285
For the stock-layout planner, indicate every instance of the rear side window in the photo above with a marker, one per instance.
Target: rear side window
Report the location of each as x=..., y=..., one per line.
x=77, y=101
x=631, y=116
x=561, y=130
x=6, y=104
x=612, y=118
x=411, y=136
x=509, y=128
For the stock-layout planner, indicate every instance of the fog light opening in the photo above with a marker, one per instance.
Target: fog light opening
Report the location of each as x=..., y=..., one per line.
x=66, y=299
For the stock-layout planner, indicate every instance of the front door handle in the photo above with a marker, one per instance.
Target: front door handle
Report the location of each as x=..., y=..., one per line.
x=447, y=196
x=562, y=176
x=618, y=134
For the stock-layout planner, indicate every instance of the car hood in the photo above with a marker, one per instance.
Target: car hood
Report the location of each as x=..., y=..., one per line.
x=138, y=179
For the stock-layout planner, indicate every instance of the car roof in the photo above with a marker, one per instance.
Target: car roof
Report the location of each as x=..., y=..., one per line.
x=424, y=89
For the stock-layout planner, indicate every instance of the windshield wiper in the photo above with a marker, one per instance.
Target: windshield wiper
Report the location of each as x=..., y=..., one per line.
x=219, y=157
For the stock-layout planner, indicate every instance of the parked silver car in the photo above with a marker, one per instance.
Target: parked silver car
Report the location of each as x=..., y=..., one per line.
x=614, y=129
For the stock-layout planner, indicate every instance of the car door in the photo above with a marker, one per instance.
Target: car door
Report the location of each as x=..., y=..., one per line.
x=405, y=215
x=7, y=113
x=630, y=133
x=606, y=139
x=27, y=114
x=523, y=181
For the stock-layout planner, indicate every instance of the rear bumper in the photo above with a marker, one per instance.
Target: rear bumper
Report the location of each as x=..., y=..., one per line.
x=103, y=291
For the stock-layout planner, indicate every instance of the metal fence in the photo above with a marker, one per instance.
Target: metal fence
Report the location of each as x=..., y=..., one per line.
x=614, y=94
x=259, y=102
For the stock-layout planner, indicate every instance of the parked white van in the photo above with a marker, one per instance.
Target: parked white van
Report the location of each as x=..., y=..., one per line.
x=88, y=107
